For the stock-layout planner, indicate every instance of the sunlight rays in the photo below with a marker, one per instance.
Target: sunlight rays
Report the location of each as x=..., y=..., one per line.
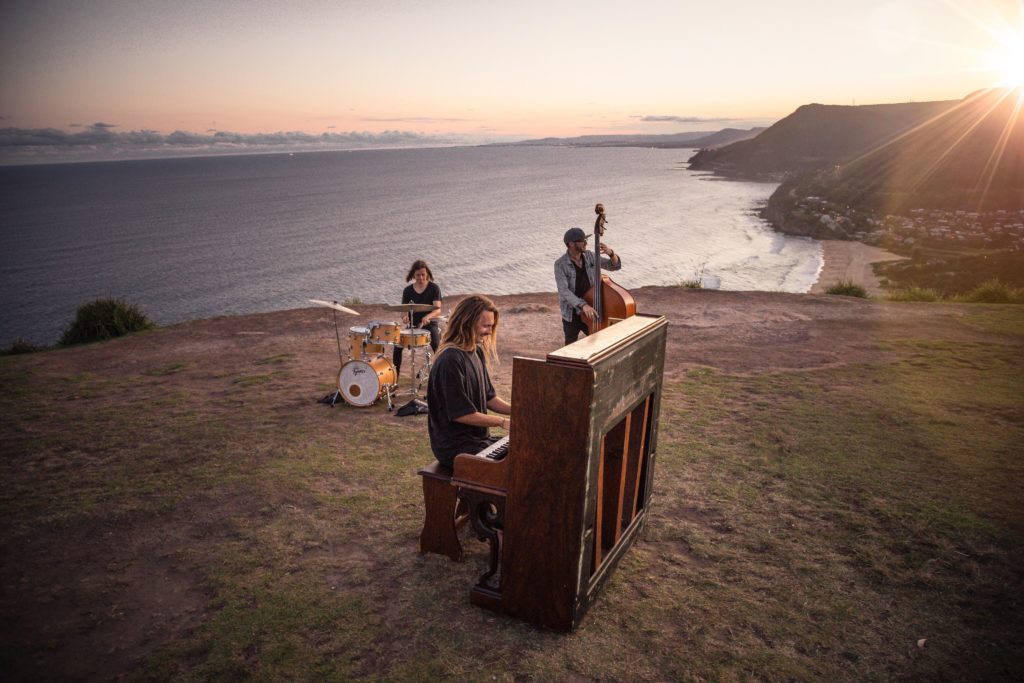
x=1002, y=145
x=1004, y=58
x=1000, y=25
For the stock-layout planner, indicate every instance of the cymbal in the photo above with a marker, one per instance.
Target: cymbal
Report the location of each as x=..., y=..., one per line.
x=410, y=308
x=335, y=305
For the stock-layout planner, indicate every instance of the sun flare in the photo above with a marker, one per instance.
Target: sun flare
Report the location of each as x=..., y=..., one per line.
x=1008, y=62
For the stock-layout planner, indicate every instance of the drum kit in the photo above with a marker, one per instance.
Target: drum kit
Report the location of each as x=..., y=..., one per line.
x=369, y=373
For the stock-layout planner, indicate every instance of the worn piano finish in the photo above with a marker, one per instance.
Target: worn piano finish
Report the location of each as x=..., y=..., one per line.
x=573, y=493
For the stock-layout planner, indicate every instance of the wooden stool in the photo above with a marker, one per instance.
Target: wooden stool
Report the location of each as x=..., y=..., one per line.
x=445, y=513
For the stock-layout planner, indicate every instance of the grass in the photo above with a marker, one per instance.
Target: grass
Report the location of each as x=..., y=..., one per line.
x=805, y=525
x=847, y=288
x=989, y=292
x=955, y=271
x=695, y=281
x=994, y=292
x=914, y=294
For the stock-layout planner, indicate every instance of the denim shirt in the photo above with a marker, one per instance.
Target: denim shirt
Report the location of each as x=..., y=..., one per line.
x=565, y=280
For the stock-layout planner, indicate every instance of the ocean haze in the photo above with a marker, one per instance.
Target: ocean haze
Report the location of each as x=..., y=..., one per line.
x=198, y=237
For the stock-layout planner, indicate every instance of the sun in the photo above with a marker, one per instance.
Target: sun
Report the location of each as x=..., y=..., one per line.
x=1008, y=62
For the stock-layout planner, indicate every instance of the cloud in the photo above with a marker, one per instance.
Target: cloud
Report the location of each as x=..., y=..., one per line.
x=681, y=119
x=98, y=141
x=416, y=119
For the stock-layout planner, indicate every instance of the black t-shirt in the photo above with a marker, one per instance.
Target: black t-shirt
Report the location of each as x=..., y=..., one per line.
x=459, y=385
x=582, y=285
x=428, y=296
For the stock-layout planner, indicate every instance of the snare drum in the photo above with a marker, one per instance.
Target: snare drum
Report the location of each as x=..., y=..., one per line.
x=359, y=345
x=383, y=332
x=413, y=338
x=362, y=382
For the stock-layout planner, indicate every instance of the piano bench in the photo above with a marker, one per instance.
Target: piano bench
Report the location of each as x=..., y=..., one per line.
x=445, y=513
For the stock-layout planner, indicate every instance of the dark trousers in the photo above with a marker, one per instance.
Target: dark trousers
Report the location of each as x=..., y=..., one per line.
x=435, y=341
x=573, y=329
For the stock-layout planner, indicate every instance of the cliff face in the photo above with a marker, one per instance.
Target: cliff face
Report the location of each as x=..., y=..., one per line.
x=843, y=170
x=813, y=137
x=968, y=157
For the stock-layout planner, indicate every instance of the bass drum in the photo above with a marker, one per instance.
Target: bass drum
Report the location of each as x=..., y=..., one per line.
x=362, y=382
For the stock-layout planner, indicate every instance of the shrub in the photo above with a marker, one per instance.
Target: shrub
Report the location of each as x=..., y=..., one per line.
x=690, y=284
x=914, y=294
x=994, y=292
x=847, y=288
x=104, y=319
x=20, y=346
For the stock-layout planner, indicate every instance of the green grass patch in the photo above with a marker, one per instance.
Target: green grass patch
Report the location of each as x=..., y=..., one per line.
x=254, y=380
x=834, y=510
x=847, y=288
x=276, y=359
x=914, y=294
x=169, y=369
x=994, y=292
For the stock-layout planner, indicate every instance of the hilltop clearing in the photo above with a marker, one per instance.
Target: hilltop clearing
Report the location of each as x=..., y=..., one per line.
x=836, y=497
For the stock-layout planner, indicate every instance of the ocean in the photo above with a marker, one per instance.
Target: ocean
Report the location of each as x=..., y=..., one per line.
x=206, y=236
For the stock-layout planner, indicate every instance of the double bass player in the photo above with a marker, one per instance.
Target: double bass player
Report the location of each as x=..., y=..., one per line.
x=574, y=276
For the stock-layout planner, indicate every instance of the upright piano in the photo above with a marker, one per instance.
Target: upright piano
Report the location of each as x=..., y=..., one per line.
x=571, y=494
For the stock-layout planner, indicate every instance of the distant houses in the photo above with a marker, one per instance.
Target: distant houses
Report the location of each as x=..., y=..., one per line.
x=1000, y=229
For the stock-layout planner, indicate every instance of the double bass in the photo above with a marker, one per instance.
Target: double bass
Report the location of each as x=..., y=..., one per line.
x=609, y=300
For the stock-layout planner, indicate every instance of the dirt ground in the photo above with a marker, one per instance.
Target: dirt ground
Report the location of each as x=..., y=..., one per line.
x=104, y=605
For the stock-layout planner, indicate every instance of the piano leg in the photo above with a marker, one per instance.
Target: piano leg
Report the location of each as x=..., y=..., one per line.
x=487, y=515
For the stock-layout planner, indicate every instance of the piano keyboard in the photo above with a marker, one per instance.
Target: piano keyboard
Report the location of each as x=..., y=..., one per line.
x=496, y=451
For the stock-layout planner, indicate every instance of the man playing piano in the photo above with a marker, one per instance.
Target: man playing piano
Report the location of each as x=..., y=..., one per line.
x=460, y=394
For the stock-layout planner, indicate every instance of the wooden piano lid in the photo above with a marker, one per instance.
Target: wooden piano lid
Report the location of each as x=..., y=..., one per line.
x=594, y=348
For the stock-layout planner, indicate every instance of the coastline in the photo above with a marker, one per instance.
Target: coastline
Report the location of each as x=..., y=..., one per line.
x=845, y=260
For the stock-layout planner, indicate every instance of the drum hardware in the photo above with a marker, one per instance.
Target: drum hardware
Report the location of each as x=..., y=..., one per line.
x=331, y=399
x=414, y=338
x=410, y=308
x=416, y=406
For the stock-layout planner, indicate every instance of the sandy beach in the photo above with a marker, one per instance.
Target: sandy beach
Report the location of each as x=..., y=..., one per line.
x=851, y=261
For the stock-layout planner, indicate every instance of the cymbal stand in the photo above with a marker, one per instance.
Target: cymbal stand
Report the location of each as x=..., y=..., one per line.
x=415, y=406
x=337, y=392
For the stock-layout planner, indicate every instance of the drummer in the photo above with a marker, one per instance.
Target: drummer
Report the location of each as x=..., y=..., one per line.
x=423, y=290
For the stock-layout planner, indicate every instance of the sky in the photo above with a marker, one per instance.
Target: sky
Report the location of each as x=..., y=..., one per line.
x=137, y=72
